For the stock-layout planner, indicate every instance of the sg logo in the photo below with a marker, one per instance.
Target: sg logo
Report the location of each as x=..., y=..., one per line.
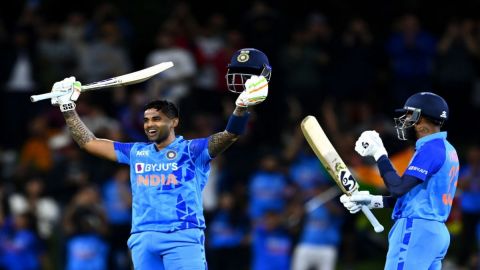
x=348, y=182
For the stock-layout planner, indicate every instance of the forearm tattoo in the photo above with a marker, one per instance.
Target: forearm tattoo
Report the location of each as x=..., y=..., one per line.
x=80, y=132
x=219, y=142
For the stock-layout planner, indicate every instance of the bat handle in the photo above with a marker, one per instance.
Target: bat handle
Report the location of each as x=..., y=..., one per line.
x=373, y=220
x=36, y=98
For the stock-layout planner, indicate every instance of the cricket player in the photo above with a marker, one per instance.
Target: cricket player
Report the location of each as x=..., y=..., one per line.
x=422, y=197
x=168, y=174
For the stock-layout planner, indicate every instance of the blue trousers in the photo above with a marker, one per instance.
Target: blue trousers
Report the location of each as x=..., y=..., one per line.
x=179, y=250
x=417, y=244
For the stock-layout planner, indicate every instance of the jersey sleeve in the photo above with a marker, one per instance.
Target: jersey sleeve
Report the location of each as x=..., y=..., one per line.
x=199, y=151
x=427, y=161
x=122, y=150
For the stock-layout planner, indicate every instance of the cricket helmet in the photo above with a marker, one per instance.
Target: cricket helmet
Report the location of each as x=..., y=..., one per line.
x=243, y=64
x=427, y=104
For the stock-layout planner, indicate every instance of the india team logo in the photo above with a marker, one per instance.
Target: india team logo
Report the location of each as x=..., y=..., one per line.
x=171, y=154
x=243, y=57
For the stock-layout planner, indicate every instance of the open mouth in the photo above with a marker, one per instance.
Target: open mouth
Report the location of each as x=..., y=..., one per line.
x=152, y=132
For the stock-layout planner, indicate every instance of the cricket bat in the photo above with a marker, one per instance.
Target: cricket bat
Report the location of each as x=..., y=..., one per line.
x=127, y=79
x=328, y=156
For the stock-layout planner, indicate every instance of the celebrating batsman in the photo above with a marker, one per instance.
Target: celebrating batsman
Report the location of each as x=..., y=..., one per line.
x=422, y=198
x=168, y=174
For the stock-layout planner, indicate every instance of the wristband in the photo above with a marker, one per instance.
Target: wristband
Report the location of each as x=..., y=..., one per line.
x=237, y=124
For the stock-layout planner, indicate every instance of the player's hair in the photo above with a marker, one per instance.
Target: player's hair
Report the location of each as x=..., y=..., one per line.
x=433, y=120
x=165, y=106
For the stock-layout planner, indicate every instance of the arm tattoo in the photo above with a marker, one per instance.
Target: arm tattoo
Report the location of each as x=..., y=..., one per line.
x=79, y=131
x=219, y=142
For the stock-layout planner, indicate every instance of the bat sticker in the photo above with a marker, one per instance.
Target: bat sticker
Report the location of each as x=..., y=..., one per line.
x=347, y=180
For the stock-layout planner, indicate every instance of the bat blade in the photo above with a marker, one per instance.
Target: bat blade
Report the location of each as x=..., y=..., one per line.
x=130, y=78
x=328, y=156
x=333, y=163
x=127, y=79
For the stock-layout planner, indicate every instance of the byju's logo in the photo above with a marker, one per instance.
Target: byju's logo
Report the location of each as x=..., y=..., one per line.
x=157, y=167
x=139, y=167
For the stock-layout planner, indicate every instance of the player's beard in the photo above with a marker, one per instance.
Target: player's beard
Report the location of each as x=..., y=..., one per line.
x=410, y=134
x=162, y=134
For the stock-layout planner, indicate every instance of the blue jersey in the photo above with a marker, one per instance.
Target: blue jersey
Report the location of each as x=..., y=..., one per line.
x=267, y=192
x=308, y=173
x=470, y=198
x=166, y=183
x=118, y=212
x=87, y=252
x=22, y=251
x=321, y=228
x=271, y=249
x=223, y=233
x=435, y=162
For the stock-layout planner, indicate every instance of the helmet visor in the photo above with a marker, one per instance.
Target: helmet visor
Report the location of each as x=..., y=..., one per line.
x=236, y=77
x=405, y=122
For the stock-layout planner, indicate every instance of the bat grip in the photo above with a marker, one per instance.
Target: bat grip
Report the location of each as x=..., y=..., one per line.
x=36, y=98
x=373, y=220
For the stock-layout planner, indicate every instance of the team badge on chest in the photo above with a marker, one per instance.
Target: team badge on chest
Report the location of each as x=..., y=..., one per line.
x=171, y=154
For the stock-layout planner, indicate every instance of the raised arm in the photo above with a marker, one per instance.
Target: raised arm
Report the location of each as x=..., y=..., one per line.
x=86, y=140
x=80, y=133
x=256, y=91
x=220, y=141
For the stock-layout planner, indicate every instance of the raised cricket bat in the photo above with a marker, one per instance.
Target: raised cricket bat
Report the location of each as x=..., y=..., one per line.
x=323, y=148
x=130, y=78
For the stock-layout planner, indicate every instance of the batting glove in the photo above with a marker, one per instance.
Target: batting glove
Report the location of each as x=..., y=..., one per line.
x=370, y=144
x=70, y=90
x=358, y=199
x=256, y=91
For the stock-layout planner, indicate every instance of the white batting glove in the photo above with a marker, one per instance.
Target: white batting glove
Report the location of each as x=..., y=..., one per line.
x=358, y=199
x=70, y=89
x=256, y=91
x=370, y=144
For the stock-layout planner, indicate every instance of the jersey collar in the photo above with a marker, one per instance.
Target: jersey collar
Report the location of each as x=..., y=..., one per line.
x=175, y=142
x=438, y=135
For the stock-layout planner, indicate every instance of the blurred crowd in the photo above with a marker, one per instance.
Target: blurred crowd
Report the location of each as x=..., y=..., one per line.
x=269, y=204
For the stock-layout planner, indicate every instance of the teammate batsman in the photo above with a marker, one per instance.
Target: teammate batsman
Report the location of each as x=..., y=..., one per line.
x=168, y=174
x=422, y=197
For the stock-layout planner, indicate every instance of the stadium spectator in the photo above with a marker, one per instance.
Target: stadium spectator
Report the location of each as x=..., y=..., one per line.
x=411, y=51
x=469, y=184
